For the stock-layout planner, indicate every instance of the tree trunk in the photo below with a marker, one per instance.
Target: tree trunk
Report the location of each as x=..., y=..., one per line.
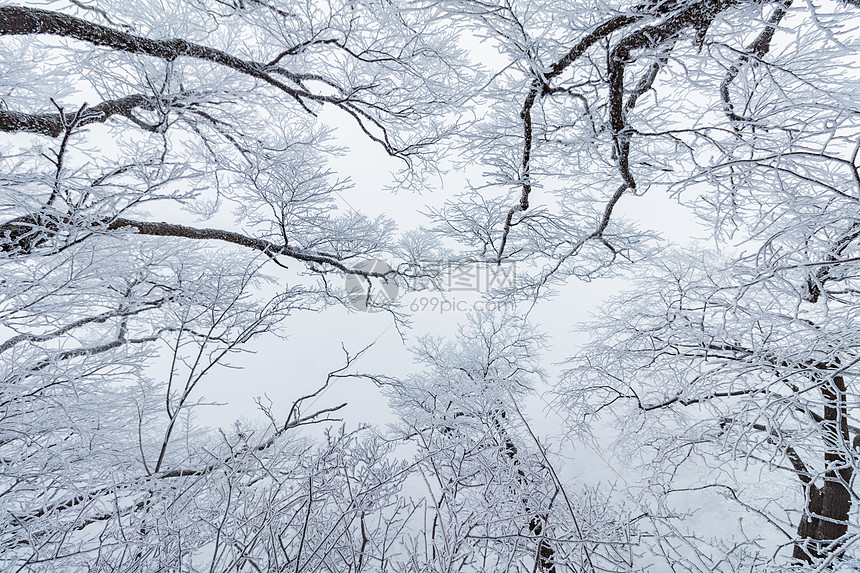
x=825, y=518
x=545, y=550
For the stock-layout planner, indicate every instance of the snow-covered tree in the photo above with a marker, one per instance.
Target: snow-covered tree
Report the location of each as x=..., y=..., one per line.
x=495, y=500
x=160, y=163
x=168, y=195
x=594, y=105
x=746, y=355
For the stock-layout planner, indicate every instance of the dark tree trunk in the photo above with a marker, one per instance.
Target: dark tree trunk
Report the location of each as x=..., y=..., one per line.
x=545, y=550
x=825, y=518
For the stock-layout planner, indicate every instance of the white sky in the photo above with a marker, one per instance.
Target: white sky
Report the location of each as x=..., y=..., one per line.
x=286, y=369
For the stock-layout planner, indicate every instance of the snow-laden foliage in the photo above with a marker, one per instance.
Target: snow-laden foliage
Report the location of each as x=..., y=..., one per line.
x=170, y=194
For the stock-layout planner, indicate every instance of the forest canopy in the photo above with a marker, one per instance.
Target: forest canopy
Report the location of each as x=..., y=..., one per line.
x=173, y=192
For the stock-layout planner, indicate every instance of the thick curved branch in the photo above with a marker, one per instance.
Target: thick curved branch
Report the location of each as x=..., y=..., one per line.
x=53, y=124
x=20, y=20
x=162, y=229
x=758, y=48
x=525, y=167
x=600, y=32
x=539, y=88
x=26, y=232
x=698, y=15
